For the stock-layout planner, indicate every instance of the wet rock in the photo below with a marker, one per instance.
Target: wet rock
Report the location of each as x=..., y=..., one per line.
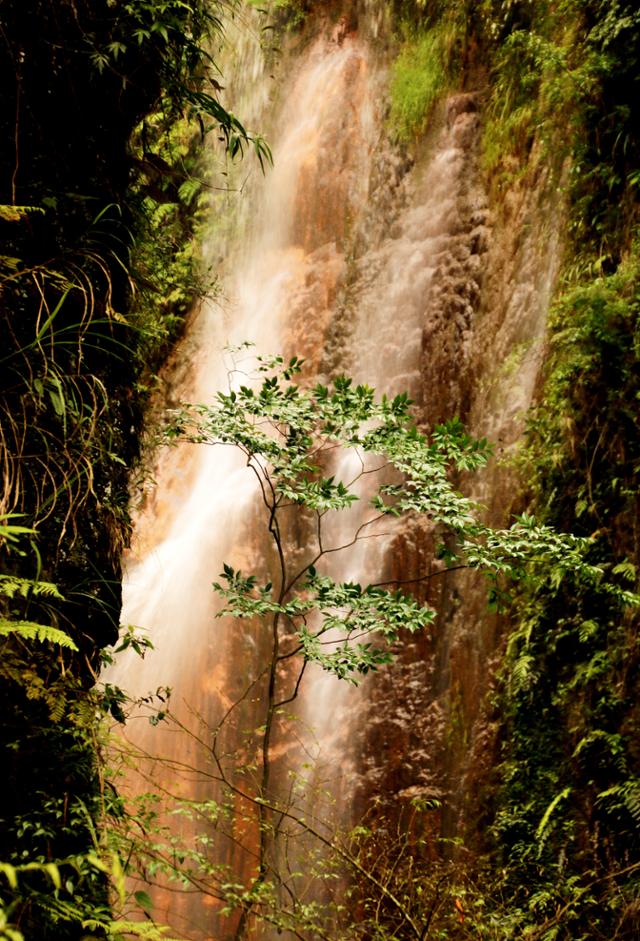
x=480, y=217
x=465, y=128
x=479, y=240
x=463, y=103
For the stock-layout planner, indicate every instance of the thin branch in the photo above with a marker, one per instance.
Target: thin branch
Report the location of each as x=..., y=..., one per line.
x=16, y=142
x=333, y=549
x=421, y=578
x=235, y=704
x=294, y=695
x=335, y=847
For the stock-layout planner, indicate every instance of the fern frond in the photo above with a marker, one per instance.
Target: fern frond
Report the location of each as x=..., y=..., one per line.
x=148, y=932
x=10, y=874
x=31, y=631
x=545, y=824
x=523, y=676
x=625, y=795
x=12, y=585
x=58, y=708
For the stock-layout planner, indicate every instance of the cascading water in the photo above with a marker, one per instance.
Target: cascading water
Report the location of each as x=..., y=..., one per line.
x=281, y=291
x=361, y=265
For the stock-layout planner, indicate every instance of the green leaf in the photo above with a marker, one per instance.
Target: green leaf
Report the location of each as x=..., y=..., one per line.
x=10, y=873
x=54, y=874
x=144, y=900
x=28, y=630
x=543, y=826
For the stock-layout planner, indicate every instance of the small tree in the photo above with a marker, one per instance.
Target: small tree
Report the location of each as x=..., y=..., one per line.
x=292, y=436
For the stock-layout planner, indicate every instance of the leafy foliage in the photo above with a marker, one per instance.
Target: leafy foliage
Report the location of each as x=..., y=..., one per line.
x=315, y=453
x=66, y=271
x=567, y=819
x=31, y=631
x=563, y=853
x=65, y=891
x=286, y=431
x=95, y=103
x=17, y=587
x=563, y=75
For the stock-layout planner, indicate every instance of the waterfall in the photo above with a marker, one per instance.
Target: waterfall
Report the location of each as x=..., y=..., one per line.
x=281, y=291
x=363, y=264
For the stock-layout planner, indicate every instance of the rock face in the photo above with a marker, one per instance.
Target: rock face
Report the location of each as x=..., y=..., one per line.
x=402, y=274
x=481, y=353
x=455, y=294
x=445, y=296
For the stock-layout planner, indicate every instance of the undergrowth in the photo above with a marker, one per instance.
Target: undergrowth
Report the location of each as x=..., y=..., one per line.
x=567, y=817
x=564, y=77
x=425, y=67
x=103, y=106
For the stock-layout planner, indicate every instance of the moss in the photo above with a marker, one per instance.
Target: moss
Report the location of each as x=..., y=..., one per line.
x=420, y=75
x=170, y=198
x=566, y=817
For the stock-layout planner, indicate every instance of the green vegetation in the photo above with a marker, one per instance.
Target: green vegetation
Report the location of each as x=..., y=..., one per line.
x=537, y=84
x=170, y=198
x=420, y=75
x=293, y=439
x=102, y=107
x=567, y=815
x=565, y=824
x=565, y=75
x=559, y=858
x=289, y=437
x=282, y=15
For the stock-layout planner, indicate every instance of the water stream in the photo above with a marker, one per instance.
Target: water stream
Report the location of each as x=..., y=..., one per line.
x=363, y=265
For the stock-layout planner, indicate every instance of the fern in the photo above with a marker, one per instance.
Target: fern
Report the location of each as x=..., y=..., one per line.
x=31, y=631
x=10, y=532
x=523, y=676
x=58, y=708
x=544, y=826
x=149, y=932
x=625, y=795
x=12, y=585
